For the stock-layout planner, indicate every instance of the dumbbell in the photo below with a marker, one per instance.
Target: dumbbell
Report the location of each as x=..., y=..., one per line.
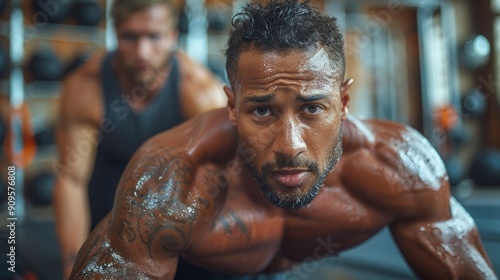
x=475, y=52
x=40, y=188
x=485, y=168
x=455, y=169
x=474, y=104
x=86, y=12
x=44, y=65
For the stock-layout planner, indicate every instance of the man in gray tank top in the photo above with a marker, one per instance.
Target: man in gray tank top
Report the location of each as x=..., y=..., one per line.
x=112, y=104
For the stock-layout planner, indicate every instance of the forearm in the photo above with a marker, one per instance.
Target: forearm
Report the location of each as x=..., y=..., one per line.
x=445, y=249
x=104, y=255
x=72, y=218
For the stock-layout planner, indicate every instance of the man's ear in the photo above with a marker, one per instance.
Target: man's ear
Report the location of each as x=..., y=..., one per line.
x=230, y=104
x=345, y=98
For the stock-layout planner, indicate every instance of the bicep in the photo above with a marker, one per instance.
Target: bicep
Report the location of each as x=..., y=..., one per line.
x=445, y=249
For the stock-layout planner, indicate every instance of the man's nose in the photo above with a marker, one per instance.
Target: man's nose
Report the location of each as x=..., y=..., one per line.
x=143, y=48
x=289, y=141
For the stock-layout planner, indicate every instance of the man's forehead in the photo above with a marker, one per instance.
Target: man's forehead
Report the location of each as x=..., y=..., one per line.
x=254, y=61
x=264, y=67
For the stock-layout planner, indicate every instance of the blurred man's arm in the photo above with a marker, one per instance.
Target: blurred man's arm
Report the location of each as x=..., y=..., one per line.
x=77, y=144
x=445, y=246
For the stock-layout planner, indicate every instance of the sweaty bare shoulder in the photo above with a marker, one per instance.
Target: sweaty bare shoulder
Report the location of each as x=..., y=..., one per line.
x=397, y=171
x=200, y=90
x=81, y=92
x=209, y=137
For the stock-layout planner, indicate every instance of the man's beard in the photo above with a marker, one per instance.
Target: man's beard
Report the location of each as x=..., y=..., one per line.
x=292, y=201
x=151, y=76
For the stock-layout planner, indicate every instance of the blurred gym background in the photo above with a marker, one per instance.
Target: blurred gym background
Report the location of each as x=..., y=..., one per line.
x=433, y=64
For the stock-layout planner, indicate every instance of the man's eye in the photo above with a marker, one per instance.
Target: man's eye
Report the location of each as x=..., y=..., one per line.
x=313, y=109
x=261, y=112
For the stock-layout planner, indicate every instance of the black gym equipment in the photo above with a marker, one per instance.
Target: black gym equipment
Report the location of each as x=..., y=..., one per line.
x=44, y=65
x=86, y=12
x=4, y=61
x=476, y=52
x=50, y=11
x=45, y=137
x=3, y=4
x=455, y=169
x=40, y=187
x=459, y=136
x=485, y=168
x=474, y=104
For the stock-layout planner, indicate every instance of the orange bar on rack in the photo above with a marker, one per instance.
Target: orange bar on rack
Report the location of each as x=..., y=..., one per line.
x=19, y=145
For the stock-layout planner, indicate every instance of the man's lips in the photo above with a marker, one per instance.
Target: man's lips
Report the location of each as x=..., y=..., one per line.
x=290, y=177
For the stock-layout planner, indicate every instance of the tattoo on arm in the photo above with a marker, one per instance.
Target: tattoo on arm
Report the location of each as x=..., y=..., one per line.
x=157, y=193
x=126, y=231
x=89, y=249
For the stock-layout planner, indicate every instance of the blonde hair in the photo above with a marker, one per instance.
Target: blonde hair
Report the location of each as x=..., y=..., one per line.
x=122, y=9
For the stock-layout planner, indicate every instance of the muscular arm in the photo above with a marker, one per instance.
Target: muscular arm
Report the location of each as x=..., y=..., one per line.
x=408, y=183
x=436, y=235
x=151, y=221
x=446, y=249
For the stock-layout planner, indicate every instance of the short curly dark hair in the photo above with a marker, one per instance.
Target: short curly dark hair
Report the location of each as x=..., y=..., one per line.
x=284, y=25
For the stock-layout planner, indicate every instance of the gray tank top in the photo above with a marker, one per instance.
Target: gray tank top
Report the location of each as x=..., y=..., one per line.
x=124, y=130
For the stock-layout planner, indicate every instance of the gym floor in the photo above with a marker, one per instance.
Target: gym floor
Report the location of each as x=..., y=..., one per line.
x=37, y=250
